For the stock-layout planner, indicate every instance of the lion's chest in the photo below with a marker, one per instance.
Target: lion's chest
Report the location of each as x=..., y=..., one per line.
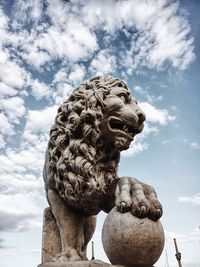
x=91, y=202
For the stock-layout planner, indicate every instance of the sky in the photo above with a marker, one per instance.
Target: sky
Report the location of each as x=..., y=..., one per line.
x=47, y=48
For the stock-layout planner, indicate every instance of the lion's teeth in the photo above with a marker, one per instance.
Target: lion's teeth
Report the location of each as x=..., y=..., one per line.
x=126, y=129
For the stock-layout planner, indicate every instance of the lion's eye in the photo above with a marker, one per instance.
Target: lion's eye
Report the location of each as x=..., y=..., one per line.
x=123, y=97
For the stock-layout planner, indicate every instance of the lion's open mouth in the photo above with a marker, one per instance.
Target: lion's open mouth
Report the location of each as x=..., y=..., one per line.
x=117, y=125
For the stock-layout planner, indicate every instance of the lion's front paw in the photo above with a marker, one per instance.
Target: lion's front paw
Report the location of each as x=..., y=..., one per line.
x=137, y=197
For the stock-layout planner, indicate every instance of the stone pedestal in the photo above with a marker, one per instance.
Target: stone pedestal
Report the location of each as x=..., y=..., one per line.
x=94, y=263
x=51, y=243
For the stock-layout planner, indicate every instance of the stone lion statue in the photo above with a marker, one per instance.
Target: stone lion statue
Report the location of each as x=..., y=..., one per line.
x=92, y=127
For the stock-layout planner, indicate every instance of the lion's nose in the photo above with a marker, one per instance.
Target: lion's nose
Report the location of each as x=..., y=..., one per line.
x=141, y=116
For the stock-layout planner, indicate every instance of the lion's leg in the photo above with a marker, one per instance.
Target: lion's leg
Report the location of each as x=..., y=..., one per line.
x=70, y=225
x=89, y=228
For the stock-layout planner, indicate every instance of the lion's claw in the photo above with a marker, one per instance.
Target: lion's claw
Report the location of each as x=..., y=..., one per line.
x=140, y=210
x=155, y=213
x=137, y=197
x=123, y=207
x=123, y=204
x=144, y=209
x=159, y=212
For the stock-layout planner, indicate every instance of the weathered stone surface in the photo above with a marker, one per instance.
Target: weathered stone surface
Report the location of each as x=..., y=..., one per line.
x=51, y=244
x=98, y=121
x=132, y=241
x=95, y=263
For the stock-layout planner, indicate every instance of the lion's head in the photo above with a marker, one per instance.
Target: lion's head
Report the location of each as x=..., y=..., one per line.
x=99, y=120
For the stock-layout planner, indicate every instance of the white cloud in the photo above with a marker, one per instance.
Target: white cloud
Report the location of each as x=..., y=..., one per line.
x=73, y=42
x=81, y=34
x=171, y=43
x=194, y=200
x=30, y=155
x=15, y=183
x=14, y=108
x=187, y=237
x=21, y=161
x=22, y=209
x=5, y=127
x=57, y=11
x=69, y=40
x=152, y=98
x=163, y=33
x=36, y=132
x=40, y=121
x=135, y=148
x=3, y=20
x=11, y=73
x=60, y=76
x=195, y=145
x=166, y=141
x=6, y=90
x=40, y=89
x=148, y=129
x=155, y=115
x=62, y=93
x=3, y=27
x=12, y=221
x=146, y=94
x=103, y=63
x=166, y=41
x=77, y=74
x=65, y=81
x=139, y=89
x=2, y=142
x=25, y=11
x=35, y=57
x=70, y=36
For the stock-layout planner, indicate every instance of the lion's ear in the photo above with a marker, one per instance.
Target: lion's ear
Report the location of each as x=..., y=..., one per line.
x=100, y=98
x=100, y=101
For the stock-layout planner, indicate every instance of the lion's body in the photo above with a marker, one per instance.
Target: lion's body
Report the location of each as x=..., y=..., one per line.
x=79, y=163
x=97, y=122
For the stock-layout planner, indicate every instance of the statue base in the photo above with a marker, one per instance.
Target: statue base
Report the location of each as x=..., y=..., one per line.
x=93, y=263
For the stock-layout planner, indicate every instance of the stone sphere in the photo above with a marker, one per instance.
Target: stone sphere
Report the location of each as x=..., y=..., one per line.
x=131, y=241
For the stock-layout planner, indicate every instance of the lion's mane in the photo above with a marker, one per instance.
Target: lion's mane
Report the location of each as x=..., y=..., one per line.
x=78, y=160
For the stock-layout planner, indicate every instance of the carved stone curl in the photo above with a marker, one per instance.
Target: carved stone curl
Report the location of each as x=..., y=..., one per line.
x=97, y=122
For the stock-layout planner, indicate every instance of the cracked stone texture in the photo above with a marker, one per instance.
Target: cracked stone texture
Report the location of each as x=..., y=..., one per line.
x=131, y=241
